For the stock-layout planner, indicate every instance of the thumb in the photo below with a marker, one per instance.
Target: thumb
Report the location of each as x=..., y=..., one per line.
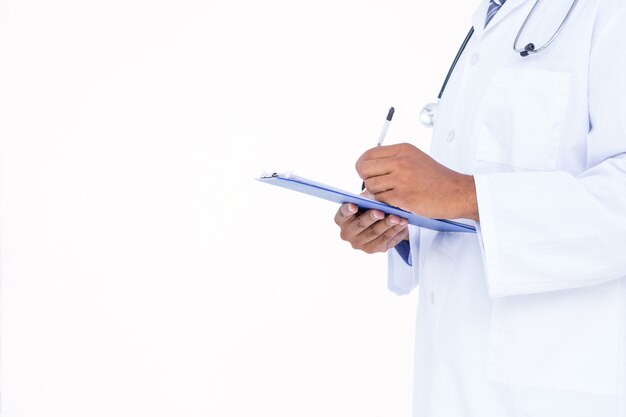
x=368, y=195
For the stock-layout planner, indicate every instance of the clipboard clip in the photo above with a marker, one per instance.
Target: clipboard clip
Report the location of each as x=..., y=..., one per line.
x=288, y=174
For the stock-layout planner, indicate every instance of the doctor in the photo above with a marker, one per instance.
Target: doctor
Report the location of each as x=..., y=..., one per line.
x=528, y=316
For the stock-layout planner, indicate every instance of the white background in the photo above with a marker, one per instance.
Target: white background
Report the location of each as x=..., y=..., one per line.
x=143, y=271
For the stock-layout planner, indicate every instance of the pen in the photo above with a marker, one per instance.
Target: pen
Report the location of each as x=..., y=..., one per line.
x=383, y=133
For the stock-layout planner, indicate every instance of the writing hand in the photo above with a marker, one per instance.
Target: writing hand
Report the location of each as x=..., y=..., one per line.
x=404, y=176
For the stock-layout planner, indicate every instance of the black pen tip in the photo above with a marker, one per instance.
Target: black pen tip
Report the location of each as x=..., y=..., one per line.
x=390, y=114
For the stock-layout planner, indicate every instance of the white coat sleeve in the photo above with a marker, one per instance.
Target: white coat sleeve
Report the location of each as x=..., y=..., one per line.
x=547, y=231
x=402, y=278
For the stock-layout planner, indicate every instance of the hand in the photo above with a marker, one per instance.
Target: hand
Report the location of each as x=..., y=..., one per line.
x=405, y=177
x=370, y=231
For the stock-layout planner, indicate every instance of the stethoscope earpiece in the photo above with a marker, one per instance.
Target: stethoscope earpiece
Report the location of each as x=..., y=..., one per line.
x=531, y=48
x=528, y=49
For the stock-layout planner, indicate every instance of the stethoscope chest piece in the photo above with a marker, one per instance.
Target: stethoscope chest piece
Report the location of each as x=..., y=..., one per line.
x=429, y=114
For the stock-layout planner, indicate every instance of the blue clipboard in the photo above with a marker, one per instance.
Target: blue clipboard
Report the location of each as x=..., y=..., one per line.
x=326, y=192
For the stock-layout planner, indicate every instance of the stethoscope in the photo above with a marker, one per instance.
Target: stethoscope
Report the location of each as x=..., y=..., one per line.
x=429, y=111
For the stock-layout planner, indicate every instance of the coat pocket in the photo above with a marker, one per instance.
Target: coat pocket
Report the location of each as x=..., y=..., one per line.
x=566, y=340
x=521, y=118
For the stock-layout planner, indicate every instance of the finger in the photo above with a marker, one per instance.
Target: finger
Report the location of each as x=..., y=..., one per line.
x=393, y=220
x=388, y=239
x=382, y=152
x=374, y=168
x=392, y=198
x=395, y=241
x=379, y=184
x=358, y=225
x=378, y=229
x=346, y=213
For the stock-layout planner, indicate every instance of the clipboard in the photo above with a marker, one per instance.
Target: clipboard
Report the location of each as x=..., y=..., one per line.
x=336, y=195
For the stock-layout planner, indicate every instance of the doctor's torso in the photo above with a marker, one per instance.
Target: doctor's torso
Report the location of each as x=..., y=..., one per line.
x=552, y=354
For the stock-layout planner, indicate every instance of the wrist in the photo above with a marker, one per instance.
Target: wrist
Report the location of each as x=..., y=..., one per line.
x=464, y=197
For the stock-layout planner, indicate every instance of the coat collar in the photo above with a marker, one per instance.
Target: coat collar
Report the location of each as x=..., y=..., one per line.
x=481, y=14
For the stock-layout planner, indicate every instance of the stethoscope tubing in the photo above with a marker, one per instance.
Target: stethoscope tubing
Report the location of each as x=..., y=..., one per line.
x=530, y=48
x=456, y=60
x=524, y=52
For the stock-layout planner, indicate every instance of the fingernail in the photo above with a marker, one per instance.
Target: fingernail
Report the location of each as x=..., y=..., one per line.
x=393, y=220
x=352, y=208
x=378, y=215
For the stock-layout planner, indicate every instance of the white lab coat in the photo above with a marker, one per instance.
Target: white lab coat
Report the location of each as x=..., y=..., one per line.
x=528, y=317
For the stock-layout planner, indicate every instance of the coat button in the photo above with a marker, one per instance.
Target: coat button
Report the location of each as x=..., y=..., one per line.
x=474, y=58
x=450, y=136
x=432, y=298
